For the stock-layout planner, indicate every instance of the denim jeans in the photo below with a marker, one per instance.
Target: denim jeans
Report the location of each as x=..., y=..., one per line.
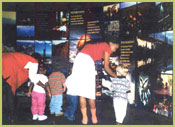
x=72, y=107
x=56, y=103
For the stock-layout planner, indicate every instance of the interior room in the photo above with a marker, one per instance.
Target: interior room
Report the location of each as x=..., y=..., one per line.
x=55, y=32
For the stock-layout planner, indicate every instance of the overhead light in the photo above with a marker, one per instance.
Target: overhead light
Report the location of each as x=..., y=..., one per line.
x=161, y=8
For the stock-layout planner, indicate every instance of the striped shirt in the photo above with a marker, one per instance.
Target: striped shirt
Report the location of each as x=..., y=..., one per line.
x=56, y=81
x=120, y=87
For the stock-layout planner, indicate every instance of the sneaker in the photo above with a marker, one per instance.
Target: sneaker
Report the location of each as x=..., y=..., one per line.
x=65, y=114
x=60, y=114
x=117, y=123
x=35, y=117
x=42, y=117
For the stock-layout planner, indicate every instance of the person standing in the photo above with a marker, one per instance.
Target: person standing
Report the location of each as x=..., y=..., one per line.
x=39, y=95
x=17, y=68
x=120, y=89
x=83, y=73
x=72, y=99
x=57, y=87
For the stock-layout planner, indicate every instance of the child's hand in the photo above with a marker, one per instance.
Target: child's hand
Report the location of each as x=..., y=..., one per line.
x=29, y=94
x=50, y=95
x=64, y=87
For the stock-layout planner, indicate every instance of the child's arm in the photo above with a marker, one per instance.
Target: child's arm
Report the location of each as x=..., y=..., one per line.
x=107, y=84
x=41, y=84
x=129, y=87
x=48, y=90
x=64, y=87
x=30, y=89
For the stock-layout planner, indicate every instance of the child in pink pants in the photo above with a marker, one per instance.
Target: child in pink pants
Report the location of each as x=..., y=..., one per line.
x=39, y=96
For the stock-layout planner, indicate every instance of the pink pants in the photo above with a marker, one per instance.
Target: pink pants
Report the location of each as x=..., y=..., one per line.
x=38, y=103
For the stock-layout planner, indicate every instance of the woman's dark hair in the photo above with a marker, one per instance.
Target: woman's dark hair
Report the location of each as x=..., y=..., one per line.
x=109, y=38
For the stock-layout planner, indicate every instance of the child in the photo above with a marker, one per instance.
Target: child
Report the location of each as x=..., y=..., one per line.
x=72, y=99
x=57, y=87
x=120, y=88
x=39, y=95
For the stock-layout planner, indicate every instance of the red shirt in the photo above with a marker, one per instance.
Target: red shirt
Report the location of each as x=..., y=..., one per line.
x=96, y=51
x=13, y=67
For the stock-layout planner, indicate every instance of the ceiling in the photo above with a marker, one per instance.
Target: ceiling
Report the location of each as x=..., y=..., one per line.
x=30, y=6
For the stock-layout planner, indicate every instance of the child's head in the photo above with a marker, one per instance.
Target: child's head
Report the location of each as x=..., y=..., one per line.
x=56, y=68
x=122, y=70
x=42, y=69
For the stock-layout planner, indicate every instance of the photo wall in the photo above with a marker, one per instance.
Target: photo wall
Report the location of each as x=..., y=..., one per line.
x=144, y=30
x=48, y=29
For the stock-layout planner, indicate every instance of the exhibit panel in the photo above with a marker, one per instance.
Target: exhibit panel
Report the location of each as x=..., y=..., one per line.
x=144, y=31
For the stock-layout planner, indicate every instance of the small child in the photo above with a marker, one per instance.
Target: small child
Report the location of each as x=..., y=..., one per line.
x=72, y=99
x=120, y=88
x=57, y=87
x=39, y=95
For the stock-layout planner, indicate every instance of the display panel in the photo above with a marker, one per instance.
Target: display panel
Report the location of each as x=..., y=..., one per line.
x=163, y=105
x=60, y=48
x=166, y=85
x=128, y=4
x=25, y=18
x=52, y=25
x=25, y=31
x=8, y=17
x=94, y=22
x=43, y=47
x=77, y=24
x=111, y=28
x=164, y=16
x=111, y=12
x=166, y=36
x=73, y=50
x=58, y=25
x=27, y=46
x=144, y=89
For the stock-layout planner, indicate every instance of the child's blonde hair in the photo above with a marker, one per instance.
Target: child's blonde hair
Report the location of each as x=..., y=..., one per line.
x=122, y=69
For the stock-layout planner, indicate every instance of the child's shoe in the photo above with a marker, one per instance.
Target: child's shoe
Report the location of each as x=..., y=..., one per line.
x=42, y=117
x=59, y=114
x=35, y=117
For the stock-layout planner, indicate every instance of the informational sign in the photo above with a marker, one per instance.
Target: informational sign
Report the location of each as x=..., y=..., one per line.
x=126, y=51
x=77, y=24
x=42, y=25
x=25, y=18
x=94, y=22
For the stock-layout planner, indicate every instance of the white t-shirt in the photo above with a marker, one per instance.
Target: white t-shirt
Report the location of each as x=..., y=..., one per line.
x=43, y=79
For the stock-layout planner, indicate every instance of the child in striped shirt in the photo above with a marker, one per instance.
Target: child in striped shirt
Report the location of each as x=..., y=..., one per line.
x=57, y=88
x=120, y=88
